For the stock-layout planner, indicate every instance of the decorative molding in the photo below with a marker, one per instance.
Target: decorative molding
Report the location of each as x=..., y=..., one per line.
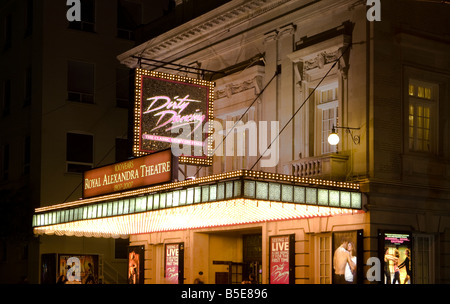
x=238, y=87
x=287, y=30
x=271, y=36
x=206, y=26
x=318, y=55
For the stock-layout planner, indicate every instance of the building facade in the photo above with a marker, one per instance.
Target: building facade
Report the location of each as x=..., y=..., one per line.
x=298, y=70
x=65, y=104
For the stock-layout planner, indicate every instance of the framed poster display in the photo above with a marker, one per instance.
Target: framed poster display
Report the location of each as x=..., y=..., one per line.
x=174, y=263
x=347, y=257
x=136, y=264
x=57, y=268
x=281, y=259
x=396, y=256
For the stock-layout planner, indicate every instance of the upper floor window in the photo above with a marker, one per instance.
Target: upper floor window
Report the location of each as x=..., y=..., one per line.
x=129, y=16
x=87, y=22
x=80, y=82
x=422, y=116
x=79, y=152
x=237, y=144
x=328, y=114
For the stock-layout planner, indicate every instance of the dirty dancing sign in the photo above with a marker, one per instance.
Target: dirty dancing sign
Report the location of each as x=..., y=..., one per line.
x=172, y=111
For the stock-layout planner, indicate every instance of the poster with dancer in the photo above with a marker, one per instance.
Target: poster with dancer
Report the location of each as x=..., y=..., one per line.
x=347, y=257
x=282, y=259
x=77, y=269
x=136, y=264
x=397, y=257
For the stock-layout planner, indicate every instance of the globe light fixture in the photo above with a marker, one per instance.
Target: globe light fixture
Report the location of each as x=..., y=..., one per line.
x=333, y=138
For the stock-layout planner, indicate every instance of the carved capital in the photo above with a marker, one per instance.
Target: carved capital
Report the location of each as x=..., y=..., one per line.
x=271, y=36
x=287, y=30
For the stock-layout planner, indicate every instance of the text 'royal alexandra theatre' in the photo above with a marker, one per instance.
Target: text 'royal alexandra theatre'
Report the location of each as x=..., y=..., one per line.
x=221, y=228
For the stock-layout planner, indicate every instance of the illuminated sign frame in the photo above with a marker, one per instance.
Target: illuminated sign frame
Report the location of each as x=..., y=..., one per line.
x=152, y=169
x=151, y=85
x=389, y=242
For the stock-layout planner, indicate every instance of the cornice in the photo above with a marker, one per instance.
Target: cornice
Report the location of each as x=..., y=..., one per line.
x=201, y=29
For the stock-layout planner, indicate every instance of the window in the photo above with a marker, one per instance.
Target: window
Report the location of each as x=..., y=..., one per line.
x=87, y=22
x=323, y=256
x=237, y=147
x=423, y=260
x=422, y=117
x=79, y=152
x=80, y=82
x=327, y=105
x=129, y=16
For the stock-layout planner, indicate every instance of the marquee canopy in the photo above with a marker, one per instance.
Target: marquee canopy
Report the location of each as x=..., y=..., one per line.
x=234, y=198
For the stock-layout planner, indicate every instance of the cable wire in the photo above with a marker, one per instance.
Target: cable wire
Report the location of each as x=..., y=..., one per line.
x=240, y=119
x=301, y=106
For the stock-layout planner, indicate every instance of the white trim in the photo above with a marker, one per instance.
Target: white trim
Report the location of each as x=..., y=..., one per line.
x=328, y=105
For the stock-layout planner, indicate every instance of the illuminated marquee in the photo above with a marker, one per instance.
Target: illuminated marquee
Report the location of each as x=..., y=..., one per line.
x=148, y=170
x=173, y=111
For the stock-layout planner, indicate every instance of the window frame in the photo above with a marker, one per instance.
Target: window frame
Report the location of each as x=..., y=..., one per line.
x=123, y=31
x=82, y=95
x=428, y=262
x=83, y=25
x=322, y=106
x=328, y=254
x=433, y=105
x=75, y=162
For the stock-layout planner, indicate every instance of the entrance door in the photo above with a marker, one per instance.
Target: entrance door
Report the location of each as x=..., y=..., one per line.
x=252, y=256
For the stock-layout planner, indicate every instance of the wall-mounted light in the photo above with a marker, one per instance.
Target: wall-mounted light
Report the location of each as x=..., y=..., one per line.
x=333, y=138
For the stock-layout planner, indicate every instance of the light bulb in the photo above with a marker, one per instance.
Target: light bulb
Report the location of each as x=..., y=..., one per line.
x=333, y=138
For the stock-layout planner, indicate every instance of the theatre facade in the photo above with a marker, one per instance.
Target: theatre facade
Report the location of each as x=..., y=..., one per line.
x=259, y=192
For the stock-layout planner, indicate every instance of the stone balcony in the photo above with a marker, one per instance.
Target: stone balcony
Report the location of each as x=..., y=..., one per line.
x=330, y=166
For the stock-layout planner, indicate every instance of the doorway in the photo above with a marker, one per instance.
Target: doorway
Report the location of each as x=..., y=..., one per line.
x=252, y=257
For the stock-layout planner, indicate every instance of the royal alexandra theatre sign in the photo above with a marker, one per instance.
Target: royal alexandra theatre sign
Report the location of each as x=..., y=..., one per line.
x=151, y=169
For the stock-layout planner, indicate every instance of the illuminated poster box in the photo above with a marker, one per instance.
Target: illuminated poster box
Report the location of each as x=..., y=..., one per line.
x=174, y=263
x=136, y=264
x=173, y=111
x=396, y=256
x=282, y=259
x=156, y=168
